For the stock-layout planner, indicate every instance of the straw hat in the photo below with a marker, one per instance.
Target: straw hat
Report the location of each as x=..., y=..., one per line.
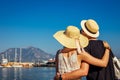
x=90, y=27
x=67, y=37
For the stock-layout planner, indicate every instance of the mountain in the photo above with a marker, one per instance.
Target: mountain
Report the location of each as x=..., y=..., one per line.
x=29, y=54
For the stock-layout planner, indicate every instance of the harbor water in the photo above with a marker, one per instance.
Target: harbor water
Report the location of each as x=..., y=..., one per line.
x=35, y=73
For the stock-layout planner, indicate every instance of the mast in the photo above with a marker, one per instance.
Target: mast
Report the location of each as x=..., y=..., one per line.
x=9, y=59
x=20, y=55
x=15, y=55
x=6, y=55
x=2, y=56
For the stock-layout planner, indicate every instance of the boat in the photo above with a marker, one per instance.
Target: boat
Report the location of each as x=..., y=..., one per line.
x=15, y=63
x=6, y=66
x=20, y=64
x=4, y=62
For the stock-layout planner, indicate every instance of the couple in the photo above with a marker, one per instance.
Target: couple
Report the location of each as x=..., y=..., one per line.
x=73, y=62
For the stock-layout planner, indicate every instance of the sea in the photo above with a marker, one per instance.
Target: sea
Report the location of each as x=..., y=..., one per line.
x=35, y=73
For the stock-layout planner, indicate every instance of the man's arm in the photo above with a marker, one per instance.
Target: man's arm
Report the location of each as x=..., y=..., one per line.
x=95, y=61
x=92, y=60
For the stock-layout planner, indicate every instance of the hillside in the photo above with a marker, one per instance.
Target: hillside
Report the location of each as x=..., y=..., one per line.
x=29, y=54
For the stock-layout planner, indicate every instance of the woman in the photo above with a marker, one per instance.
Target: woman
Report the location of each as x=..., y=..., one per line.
x=68, y=59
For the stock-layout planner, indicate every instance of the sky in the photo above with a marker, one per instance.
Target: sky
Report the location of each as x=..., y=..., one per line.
x=25, y=23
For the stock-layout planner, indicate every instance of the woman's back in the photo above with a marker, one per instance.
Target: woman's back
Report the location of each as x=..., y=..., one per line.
x=68, y=62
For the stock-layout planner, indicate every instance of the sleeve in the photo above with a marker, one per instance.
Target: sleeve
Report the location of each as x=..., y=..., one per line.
x=87, y=49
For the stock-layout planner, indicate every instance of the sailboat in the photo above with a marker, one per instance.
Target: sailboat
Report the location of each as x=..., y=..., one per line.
x=17, y=64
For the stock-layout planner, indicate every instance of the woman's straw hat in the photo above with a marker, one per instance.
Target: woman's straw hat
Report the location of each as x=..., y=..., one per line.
x=90, y=27
x=68, y=37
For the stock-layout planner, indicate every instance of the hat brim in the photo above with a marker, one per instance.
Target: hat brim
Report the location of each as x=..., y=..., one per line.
x=86, y=31
x=69, y=42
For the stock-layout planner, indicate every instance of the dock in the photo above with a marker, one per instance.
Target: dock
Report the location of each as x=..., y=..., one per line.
x=49, y=63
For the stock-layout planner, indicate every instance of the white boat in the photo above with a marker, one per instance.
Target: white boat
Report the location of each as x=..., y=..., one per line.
x=17, y=65
x=4, y=61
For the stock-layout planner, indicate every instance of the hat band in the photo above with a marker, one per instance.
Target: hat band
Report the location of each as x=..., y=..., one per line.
x=89, y=30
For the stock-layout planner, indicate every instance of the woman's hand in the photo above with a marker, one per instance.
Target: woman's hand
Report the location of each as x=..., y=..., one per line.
x=106, y=45
x=57, y=76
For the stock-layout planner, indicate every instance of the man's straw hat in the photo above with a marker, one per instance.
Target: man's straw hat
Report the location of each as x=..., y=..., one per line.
x=90, y=27
x=68, y=37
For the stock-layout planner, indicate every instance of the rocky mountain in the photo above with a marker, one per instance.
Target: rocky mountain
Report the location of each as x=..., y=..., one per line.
x=29, y=54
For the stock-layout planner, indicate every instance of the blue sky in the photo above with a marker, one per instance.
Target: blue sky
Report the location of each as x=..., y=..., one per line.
x=25, y=23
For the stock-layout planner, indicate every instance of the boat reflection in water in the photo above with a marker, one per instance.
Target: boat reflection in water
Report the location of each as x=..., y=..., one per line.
x=11, y=73
x=21, y=73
